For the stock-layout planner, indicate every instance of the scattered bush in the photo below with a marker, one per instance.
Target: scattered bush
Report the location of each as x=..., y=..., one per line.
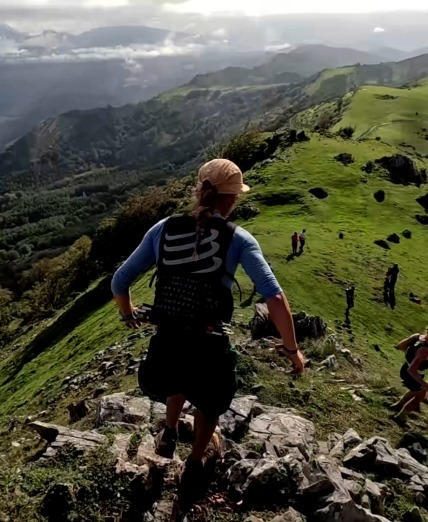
x=394, y=238
x=346, y=132
x=379, y=196
x=345, y=158
x=382, y=243
x=407, y=234
x=319, y=193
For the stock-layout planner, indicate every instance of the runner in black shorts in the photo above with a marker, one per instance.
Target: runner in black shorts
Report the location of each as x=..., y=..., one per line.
x=412, y=374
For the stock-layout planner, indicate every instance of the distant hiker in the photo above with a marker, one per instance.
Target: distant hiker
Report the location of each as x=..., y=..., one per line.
x=190, y=356
x=391, y=277
x=412, y=374
x=302, y=239
x=295, y=242
x=350, y=298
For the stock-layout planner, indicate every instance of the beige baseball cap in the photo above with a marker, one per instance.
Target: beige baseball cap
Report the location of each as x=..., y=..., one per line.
x=224, y=175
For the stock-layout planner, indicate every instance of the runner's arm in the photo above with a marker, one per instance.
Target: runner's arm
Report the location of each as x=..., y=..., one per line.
x=141, y=260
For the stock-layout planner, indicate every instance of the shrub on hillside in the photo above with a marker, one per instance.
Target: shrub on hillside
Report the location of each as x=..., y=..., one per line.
x=346, y=132
x=246, y=149
x=119, y=235
x=52, y=282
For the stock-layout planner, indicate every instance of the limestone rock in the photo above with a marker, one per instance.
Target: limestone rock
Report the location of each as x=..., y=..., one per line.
x=342, y=510
x=265, y=482
x=402, y=170
x=330, y=363
x=58, y=437
x=351, y=438
x=285, y=431
x=234, y=423
x=291, y=515
x=123, y=408
x=252, y=518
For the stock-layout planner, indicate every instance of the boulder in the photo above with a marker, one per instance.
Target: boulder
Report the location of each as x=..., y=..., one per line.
x=423, y=201
x=291, y=515
x=252, y=518
x=345, y=158
x=382, y=243
x=78, y=411
x=394, y=238
x=302, y=136
x=416, y=444
x=351, y=438
x=58, y=437
x=319, y=193
x=377, y=455
x=263, y=482
x=342, y=510
x=376, y=493
x=330, y=363
x=402, y=170
x=307, y=326
x=379, y=196
x=407, y=234
x=423, y=220
x=234, y=423
x=284, y=433
x=123, y=408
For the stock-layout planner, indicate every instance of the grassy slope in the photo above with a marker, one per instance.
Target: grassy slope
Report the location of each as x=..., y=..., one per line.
x=397, y=120
x=313, y=282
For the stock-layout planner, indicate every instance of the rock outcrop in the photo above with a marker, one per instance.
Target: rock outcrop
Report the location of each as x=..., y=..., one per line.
x=402, y=170
x=271, y=459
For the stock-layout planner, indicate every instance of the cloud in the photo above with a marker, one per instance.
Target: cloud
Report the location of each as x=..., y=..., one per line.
x=378, y=30
x=10, y=52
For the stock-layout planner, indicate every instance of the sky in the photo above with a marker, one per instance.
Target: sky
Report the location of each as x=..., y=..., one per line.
x=79, y=15
x=302, y=6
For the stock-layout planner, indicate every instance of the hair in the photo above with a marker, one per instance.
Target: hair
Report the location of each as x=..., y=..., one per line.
x=208, y=201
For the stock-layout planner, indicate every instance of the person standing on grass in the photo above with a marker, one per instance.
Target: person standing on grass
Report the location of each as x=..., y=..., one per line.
x=302, y=239
x=412, y=374
x=190, y=356
x=350, y=298
x=294, y=243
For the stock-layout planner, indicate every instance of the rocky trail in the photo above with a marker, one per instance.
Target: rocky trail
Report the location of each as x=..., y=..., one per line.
x=275, y=466
x=272, y=461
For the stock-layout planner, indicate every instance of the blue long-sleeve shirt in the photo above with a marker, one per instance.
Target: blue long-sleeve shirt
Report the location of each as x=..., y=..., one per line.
x=244, y=250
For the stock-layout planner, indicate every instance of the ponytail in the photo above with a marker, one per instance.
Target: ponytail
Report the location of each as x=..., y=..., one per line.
x=207, y=198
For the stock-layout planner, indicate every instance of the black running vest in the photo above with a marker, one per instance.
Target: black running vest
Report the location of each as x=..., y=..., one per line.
x=190, y=272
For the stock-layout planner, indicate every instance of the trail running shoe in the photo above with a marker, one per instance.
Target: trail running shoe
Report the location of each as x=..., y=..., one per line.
x=166, y=442
x=197, y=476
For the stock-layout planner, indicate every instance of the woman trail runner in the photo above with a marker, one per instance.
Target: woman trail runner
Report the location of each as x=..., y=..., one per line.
x=190, y=356
x=412, y=374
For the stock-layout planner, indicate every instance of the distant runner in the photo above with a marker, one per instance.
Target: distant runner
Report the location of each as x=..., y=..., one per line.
x=350, y=298
x=391, y=277
x=412, y=374
x=294, y=242
x=302, y=239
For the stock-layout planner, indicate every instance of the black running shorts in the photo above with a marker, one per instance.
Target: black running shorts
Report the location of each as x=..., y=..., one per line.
x=195, y=364
x=408, y=381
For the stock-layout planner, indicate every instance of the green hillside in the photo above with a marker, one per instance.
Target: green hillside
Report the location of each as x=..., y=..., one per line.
x=37, y=367
x=398, y=116
x=314, y=282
